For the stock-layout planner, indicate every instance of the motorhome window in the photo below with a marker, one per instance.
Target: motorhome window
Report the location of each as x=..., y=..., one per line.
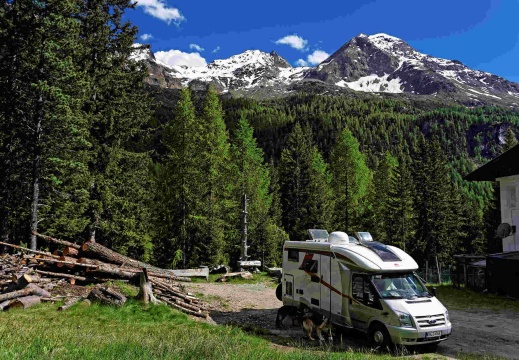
x=382, y=251
x=363, y=291
x=399, y=286
x=293, y=255
x=288, y=288
x=310, y=265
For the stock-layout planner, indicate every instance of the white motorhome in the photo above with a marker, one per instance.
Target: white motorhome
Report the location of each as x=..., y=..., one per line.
x=363, y=284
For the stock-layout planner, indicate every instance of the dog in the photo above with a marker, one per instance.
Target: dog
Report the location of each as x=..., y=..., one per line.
x=320, y=323
x=287, y=311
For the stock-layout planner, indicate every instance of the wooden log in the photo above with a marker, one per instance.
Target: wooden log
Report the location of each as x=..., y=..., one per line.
x=107, y=296
x=123, y=272
x=146, y=290
x=56, y=241
x=24, y=302
x=117, y=258
x=29, y=250
x=70, y=251
x=183, y=309
x=31, y=289
x=65, y=260
x=70, y=302
x=4, y=304
x=63, y=275
x=23, y=281
x=55, y=261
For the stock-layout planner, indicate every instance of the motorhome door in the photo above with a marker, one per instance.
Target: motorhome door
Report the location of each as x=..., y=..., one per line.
x=326, y=268
x=364, y=303
x=288, y=290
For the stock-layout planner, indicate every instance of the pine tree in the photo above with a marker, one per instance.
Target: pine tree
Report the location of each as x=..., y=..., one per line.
x=320, y=196
x=118, y=109
x=350, y=180
x=178, y=184
x=383, y=226
x=215, y=166
x=510, y=140
x=294, y=168
x=432, y=203
x=253, y=180
x=401, y=216
x=46, y=138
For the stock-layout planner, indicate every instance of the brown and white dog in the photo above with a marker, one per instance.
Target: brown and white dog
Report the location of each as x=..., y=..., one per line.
x=320, y=323
x=288, y=311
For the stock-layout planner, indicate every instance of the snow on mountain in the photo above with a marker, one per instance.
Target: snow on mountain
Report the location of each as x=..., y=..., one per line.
x=247, y=70
x=378, y=63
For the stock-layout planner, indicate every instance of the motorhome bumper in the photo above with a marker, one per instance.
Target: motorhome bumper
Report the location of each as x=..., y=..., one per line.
x=410, y=336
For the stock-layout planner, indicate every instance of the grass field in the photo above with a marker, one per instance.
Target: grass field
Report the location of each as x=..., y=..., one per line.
x=158, y=332
x=137, y=332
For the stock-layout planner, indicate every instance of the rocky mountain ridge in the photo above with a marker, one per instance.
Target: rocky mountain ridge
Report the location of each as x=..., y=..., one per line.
x=377, y=63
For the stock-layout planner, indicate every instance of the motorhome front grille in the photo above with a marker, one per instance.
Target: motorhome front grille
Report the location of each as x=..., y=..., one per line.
x=430, y=320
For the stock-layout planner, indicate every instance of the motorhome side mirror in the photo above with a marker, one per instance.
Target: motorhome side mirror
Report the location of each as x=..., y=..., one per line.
x=433, y=291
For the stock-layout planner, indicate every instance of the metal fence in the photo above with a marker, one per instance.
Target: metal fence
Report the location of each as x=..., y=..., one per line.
x=430, y=275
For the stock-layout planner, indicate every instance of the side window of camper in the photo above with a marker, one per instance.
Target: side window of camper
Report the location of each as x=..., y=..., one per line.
x=293, y=255
x=288, y=287
x=363, y=292
x=358, y=288
x=310, y=265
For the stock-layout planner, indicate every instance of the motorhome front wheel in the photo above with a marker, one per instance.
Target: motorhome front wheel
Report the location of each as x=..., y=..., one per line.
x=379, y=335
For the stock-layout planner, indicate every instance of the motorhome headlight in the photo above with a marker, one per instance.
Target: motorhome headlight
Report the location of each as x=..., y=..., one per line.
x=447, y=318
x=404, y=319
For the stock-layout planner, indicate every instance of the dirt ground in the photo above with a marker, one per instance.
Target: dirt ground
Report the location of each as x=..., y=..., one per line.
x=254, y=308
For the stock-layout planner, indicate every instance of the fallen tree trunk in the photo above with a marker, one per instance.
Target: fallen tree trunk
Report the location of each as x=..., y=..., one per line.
x=70, y=251
x=31, y=289
x=69, y=303
x=29, y=250
x=68, y=276
x=107, y=296
x=120, y=259
x=57, y=241
x=183, y=309
x=54, y=261
x=24, y=302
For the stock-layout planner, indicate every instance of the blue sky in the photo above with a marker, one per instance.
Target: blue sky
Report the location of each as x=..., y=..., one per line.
x=483, y=34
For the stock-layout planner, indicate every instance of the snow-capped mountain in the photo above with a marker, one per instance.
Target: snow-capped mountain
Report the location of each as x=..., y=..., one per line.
x=377, y=63
x=383, y=63
x=251, y=69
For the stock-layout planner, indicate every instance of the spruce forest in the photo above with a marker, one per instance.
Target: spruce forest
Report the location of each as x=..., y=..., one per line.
x=87, y=149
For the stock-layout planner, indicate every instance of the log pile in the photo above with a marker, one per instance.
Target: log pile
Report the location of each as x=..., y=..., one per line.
x=29, y=277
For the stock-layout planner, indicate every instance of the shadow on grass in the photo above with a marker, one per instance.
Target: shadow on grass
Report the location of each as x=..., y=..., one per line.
x=261, y=323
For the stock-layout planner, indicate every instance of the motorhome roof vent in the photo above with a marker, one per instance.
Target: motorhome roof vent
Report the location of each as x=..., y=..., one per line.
x=364, y=236
x=338, y=237
x=318, y=235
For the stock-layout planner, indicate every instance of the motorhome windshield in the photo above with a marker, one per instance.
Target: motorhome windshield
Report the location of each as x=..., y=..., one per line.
x=399, y=286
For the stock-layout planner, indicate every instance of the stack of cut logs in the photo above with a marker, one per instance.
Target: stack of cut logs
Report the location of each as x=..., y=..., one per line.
x=29, y=276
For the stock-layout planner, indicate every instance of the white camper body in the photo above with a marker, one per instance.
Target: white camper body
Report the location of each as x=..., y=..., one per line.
x=364, y=285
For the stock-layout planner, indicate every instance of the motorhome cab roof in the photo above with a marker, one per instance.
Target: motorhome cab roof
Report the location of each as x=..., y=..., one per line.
x=356, y=253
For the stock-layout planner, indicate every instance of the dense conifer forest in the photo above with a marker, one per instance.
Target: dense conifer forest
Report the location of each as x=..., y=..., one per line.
x=87, y=150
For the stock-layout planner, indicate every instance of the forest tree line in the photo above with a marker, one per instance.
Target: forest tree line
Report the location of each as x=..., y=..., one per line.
x=87, y=151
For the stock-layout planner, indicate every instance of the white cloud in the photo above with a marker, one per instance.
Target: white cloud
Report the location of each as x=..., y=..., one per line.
x=301, y=62
x=216, y=50
x=196, y=47
x=313, y=59
x=177, y=57
x=146, y=37
x=160, y=10
x=293, y=41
